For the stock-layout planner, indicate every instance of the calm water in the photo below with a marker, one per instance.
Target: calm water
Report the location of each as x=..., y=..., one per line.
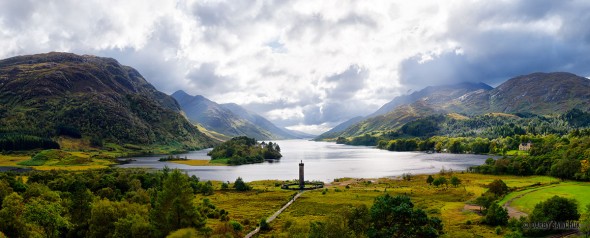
x=323, y=161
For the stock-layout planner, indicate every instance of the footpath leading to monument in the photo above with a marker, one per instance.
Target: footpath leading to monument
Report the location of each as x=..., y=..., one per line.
x=275, y=215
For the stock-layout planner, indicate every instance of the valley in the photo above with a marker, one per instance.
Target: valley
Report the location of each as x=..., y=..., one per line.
x=88, y=129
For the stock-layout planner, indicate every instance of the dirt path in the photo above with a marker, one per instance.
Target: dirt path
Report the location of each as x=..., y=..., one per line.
x=275, y=215
x=513, y=212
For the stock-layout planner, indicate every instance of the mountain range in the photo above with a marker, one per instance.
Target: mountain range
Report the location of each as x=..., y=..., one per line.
x=231, y=119
x=537, y=93
x=90, y=97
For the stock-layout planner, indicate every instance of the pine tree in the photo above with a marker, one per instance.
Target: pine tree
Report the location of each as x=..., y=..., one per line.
x=174, y=208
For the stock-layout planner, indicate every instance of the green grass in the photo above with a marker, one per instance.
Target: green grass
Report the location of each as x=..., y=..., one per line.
x=577, y=190
x=63, y=160
x=517, y=152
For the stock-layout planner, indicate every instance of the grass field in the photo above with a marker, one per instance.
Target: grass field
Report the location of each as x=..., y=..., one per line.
x=12, y=160
x=58, y=160
x=517, y=152
x=577, y=190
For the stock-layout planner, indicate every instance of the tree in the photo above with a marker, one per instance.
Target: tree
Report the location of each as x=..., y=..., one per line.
x=79, y=208
x=498, y=187
x=207, y=188
x=429, y=180
x=359, y=220
x=565, y=168
x=225, y=186
x=585, y=223
x=12, y=217
x=485, y=200
x=496, y=215
x=334, y=227
x=455, y=181
x=397, y=217
x=240, y=185
x=5, y=190
x=556, y=209
x=174, y=207
x=48, y=215
x=440, y=181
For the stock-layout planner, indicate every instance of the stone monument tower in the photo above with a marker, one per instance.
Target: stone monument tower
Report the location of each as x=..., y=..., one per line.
x=301, y=179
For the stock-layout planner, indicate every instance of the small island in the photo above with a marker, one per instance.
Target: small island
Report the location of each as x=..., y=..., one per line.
x=244, y=150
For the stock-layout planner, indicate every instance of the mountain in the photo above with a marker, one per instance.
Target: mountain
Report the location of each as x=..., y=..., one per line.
x=337, y=130
x=259, y=121
x=406, y=108
x=300, y=134
x=89, y=97
x=537, y=93
x=433, y=93
x=541, y=93
x=227, y=119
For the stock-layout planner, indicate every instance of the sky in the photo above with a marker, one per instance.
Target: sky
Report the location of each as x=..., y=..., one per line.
x=308, y=65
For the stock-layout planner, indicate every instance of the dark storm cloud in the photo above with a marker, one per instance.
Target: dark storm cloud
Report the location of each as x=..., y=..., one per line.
x=506, y=39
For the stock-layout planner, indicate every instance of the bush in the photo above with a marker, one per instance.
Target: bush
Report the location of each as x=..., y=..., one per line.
x=429, y=180
x=496, y=215
x=264, y=226
x=236, y=226
x=556, y=209
x=240, y=185
x=498, y=187
x=224, y=186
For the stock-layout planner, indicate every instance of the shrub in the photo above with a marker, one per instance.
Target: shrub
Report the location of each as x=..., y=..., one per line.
x=496, y=215
x=556, y=209
x=240, y=185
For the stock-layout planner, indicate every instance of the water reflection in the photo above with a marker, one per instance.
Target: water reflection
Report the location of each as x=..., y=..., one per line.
x=324, y=161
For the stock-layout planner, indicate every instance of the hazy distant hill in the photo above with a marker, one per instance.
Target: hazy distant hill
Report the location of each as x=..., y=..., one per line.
x=228, y=119
x=89, y=97
x=538, y=93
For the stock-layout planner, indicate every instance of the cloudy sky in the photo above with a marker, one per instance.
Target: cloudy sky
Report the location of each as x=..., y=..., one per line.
x=308, y=65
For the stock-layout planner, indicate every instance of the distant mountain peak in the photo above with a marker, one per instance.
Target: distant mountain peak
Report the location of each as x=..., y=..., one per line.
x=229, y=119
x=440, y=93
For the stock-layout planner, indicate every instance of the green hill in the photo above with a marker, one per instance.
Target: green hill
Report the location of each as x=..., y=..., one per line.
x=91, y=98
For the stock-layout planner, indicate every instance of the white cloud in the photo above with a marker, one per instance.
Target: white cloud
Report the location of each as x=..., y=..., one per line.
x=279, y=58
